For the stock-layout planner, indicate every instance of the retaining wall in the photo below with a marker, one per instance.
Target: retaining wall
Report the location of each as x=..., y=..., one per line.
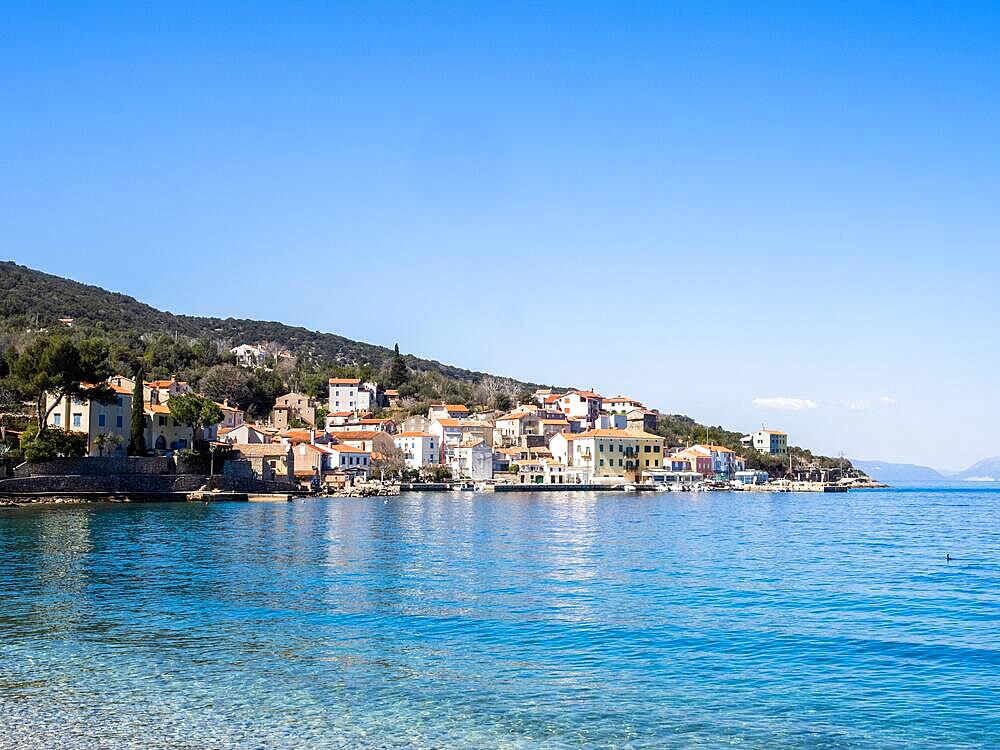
x=124, y=484
x=98, y=466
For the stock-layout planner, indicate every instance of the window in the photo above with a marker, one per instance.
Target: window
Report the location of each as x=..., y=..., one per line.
x=77, y=420
x=602, y=462
x=119, y=401
x=119, y=421
x=57, y=419
x=102, y=420
x=162, y=421
x=648, y=449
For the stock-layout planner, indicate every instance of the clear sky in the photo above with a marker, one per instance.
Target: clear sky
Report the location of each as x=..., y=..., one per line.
x=749, y=213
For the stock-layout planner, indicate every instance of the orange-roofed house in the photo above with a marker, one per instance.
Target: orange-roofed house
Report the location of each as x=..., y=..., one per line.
x=371, y=441
x=723, y=459
x=699, y=461
x=611, y=454
x=584, y=405
x=309, y=462
x=160, y=391
x=349, y=394
x=448, y=430
x=447, y=411
x=677, y=463
x=349, y=459
x=163, y=433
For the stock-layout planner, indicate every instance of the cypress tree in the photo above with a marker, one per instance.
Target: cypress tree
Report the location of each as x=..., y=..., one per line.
x=137, y=441
x=398, y=372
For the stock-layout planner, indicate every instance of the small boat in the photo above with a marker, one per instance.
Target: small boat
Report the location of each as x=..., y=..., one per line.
x=629, y=488
x=463, y=487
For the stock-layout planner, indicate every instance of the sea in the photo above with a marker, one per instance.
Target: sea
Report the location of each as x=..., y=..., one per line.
x=524, y=620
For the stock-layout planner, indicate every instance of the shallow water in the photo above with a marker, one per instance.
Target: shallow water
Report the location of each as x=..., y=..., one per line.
x=506, y=621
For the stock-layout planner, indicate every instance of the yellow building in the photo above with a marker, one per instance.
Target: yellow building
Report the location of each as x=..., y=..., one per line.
x=163, y=432
x=94, y=419
x=615, y=454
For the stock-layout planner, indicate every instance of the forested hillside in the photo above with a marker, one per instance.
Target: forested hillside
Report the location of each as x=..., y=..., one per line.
x=32, y=299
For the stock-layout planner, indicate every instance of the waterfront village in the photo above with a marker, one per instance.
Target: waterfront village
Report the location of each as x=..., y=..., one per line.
x=567, y=439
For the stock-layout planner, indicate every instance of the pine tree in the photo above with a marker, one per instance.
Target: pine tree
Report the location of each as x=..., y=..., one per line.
x=137, y=441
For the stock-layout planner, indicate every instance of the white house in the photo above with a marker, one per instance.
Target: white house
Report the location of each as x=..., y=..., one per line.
x=338, y=419
x=540, y=471
x=244, y=434
x=448, y=431
x=354, y=424
x=606, y=421
x=249, y=356
x=448, y=411
x=419, y=449
x=621, y=404
x=349, y=459
x=560, y=445
x=472, y=459
x=774, y=442
x=584, y=405
x=348, y=394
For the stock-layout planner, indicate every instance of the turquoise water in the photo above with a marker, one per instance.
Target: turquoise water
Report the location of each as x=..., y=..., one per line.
x=506, y=621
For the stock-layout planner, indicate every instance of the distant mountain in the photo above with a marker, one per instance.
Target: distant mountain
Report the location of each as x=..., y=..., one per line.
x=987, y=470
x=892, y=473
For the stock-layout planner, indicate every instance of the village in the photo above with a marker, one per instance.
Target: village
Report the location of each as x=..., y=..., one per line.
x=557, y=439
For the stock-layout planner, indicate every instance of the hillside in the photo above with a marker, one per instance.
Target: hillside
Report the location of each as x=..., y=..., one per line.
x=197, y=349
x=987, y=470
x=32, y=299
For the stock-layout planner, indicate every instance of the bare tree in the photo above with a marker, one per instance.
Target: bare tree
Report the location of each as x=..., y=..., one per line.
x=494, y=392
x=10, y=406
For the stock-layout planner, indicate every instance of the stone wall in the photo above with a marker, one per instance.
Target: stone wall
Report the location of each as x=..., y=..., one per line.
x=124, y=484
x=98, y=466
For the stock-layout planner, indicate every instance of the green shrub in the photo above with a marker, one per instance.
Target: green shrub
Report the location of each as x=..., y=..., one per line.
x=53, y=443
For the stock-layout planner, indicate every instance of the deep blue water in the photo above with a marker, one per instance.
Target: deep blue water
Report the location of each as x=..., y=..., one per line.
x=506, y=621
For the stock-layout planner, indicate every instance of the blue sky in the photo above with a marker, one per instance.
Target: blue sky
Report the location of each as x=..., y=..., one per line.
x=766, y=213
